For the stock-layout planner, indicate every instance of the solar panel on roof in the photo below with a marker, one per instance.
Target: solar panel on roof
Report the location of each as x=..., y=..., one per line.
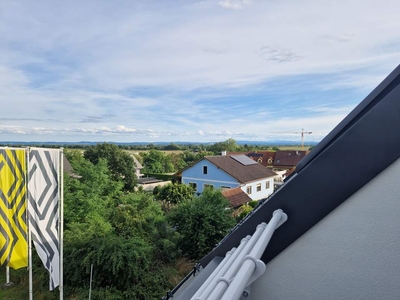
x=244, y=160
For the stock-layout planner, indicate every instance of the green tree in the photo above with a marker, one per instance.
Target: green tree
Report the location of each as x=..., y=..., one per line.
x=202, y=222
x=242, y=212
x=87, y=200
x=125, y=236
x=228, y=145
x=120, y=163
x=156, y=161
x=172, y=146
x=174, y=193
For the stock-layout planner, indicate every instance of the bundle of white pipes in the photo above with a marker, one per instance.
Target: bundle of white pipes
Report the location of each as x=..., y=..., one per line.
x=242, y=265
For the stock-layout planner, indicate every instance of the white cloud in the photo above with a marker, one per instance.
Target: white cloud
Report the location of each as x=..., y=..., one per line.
x=234, y=4
x=92, y=66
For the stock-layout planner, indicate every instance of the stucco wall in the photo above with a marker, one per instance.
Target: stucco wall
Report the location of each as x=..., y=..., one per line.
x=215, y=177
x=264, y=193
x=353, y=253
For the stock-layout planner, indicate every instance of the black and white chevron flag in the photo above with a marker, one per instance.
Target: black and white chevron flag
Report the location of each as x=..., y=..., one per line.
x=43, y=199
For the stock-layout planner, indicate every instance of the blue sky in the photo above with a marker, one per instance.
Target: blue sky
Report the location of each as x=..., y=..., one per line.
x=204, y=71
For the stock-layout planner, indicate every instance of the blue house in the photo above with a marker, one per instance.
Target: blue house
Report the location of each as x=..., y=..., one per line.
x=228, y=172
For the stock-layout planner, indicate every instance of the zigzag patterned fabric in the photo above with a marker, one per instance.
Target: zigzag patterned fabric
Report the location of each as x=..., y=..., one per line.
x=43, y=199
x=13, y=229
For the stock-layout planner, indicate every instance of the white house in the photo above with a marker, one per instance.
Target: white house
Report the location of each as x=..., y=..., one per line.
x=341, y=239
x=227, y=172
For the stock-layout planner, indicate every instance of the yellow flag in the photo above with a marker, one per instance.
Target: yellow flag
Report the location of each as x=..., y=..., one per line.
x=13, y=229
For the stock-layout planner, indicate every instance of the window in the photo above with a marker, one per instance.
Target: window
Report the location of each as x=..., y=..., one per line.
x=208, y=186
x=205, y=170
x=193, y=185
x=248, y=190
x=267, y=184
x=223, y=188
x=258, y=187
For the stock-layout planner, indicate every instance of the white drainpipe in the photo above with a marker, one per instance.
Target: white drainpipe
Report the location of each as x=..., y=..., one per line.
x=243, y=276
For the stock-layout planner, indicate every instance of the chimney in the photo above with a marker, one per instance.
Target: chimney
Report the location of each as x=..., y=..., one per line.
x=223, y=153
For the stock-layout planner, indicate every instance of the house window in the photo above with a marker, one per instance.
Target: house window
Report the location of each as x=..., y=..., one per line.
x=208, y=186
x=248, y=190
x=205, y=170
x=258, y=187
x=267, y=184
x=223, y=188
x=193, y=185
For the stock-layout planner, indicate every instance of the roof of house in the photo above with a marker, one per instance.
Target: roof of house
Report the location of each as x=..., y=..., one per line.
x=242, y=172
x=325, y=178
x=137, y=163
x=67, y=165
x=266, y=158
x=289, y=158
x=236, y=196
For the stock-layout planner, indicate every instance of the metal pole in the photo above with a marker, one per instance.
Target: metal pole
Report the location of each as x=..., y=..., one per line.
x=90, y=284
x=29, y=237
x=61, y=231
x=7, y=275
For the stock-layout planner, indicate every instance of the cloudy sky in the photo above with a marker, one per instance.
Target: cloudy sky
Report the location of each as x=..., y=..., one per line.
x=189, y=70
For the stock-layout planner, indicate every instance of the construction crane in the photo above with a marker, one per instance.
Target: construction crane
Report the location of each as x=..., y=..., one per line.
x=302, y=136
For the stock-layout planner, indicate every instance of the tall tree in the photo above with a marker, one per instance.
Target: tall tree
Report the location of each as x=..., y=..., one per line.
x=228, y=145
x=120, y=163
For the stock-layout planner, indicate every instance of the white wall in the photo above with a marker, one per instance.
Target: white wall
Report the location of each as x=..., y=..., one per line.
x=264, y=193
x=353, y=253
x=150, y=186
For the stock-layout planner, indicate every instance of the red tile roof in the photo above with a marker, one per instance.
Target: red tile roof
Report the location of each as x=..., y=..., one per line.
x=236, y=197
x=289, y=158
x=243, y=173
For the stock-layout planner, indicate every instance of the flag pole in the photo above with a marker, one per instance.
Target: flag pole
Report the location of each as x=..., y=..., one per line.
x=29, y=233
x=7, y=275
x=61, y=224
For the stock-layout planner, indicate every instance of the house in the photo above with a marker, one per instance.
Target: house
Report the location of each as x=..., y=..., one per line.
x=138, y=167
x=287, y=159
x=341, y=239
x=227, y=172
